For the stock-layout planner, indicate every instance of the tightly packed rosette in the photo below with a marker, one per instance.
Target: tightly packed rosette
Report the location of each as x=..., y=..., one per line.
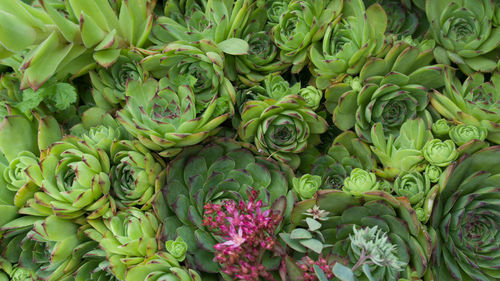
x=165, y=117
x=202, y=60
x=161, y=266
x=393, y=216
x=348, y=42
x=281, y=127
x=75, y=181
x=475, y=102
x=136, y=174
x=303, y=23
x=128, y=238
x=109, y=84
x=208, y=174
x=465, y=220
x=466, y=33
x=395, y=89
x=69, y=39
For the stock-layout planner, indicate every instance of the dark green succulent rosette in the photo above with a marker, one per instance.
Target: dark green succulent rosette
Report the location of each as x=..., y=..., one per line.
x=75, y=182
x=466, y=32
x=394, y=216
x=303, y=23
x=109, y=84
x=395, y=89
x=475, y=102
x=280, y=127
x=200, y=175
x=165, y=117
x=466, y=219
x=348, y=41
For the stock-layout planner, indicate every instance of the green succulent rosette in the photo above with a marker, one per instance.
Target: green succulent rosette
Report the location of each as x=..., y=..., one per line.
x=128, y=238
x=208, y=174
x=161, y=266
x=346, y=153
x=395, y=89
x=360, y=181
x=7, y=196
x=312, y=96
x=348, y=41
x=306, y=186
x=280, y=128
x=136, y=174
x=394, y=216
x=441, y=128
x=303, y=23
x=109, y=84
x=75, y=182
x=475, y=102
x=461, y=133
x=466, y=33
x=23, y=176
x=61, y=40
x=165, y=118
x=413, y=186
x=440, y=153
x=433, y=173
x=465, y=219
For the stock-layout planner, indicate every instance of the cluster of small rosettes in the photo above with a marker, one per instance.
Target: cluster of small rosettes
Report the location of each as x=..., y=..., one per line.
x=306, y=264
x=247, y=231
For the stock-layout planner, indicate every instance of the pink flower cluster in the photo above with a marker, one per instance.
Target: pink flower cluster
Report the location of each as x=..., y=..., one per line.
x=247, y=230
x=306, y=264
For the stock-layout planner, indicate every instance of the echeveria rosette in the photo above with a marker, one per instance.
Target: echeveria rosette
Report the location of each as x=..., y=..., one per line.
x=440, y=153
x=303, y=23
x=475, y=102
x=280, y=128
x=395, y=89
x=202, y=60
x=136, y=174
x=23, y=176
x=161, y=266
x=306, y=186
x=360, y=181
x=165, y=118
x=109, y=84
x=465, y=33
x=392, y=215
x=348, y=41
x=75, y=182
x=441, y=128
x=312, y=96
x=416, y=187
x=461, y=134
x=200, y=175
x=403, y=153
x=68, y=40
x=433, y=173
x=465, y=220
x=128, y=238
x=346, y=153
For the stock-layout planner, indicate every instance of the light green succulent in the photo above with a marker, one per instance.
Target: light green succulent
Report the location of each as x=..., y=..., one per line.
x=165, y=118
x=280, y=128
x=360, y=181
x=312, y=96
x=466, y=33
x=161, y=266
x=69, y=39
x=177, y=248
x=395, y=89
x=440, y=153
x=303, y=23
x=441, y=128
x=128, y=238
x=433, y=173
x=415, y=187
x=348, y=41
x=306, y=186
x=475, y=102
x=462, y=133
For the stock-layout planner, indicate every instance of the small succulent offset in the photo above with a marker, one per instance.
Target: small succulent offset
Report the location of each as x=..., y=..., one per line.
x=306, y=186
x=360, y=181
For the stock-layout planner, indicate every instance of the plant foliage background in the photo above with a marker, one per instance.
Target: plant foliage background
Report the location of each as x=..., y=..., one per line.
x=250, y=140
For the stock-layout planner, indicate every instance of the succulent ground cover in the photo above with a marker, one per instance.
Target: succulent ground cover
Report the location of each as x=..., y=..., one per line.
x=293, y=140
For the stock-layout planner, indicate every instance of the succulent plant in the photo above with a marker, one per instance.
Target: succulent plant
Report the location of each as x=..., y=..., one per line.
x=161, y=266
x=69, y=39
x=303, y=23
x=208, y=174
x=462, y=133
x=165, y=117
x=465, y=220
x=393, y=216
x=306, y=186
x=440, y=153
x=348, y=41
x=312, y=96
x=466, y=33
x=280, y=128
x=441, y=128
x=395, y=90
x=475, y=102
x=360, y=181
